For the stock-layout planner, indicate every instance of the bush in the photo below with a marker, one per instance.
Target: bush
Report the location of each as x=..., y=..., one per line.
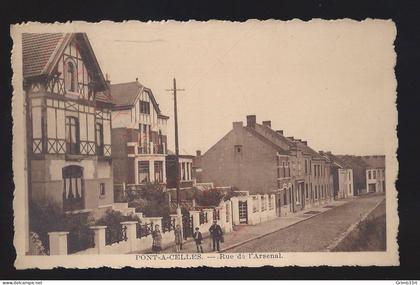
x=50, y=218
x=139, y=204
x=151, y=200
x=112, y=220
x=210, y=197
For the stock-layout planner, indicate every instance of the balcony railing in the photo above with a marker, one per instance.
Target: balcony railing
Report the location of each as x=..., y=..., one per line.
x=151, y=149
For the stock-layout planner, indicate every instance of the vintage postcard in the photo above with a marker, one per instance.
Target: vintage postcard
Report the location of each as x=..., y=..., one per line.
x=186, y=144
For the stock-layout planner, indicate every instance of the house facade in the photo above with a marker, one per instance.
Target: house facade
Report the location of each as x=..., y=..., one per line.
x=358, y=167
x=186, y=178
x=375, y=173
x=68, y=107
x=139, y=136
x=342, y=175
x=258, y=159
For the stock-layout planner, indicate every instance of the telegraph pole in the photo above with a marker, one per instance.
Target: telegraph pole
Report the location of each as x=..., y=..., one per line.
x=174, y=90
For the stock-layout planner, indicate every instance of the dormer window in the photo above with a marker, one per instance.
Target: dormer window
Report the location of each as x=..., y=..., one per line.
x=70, y=76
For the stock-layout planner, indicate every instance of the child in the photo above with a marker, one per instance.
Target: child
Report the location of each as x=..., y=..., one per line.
x=198, y=237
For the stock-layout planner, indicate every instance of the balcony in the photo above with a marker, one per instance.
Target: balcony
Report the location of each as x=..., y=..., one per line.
x=151, y=149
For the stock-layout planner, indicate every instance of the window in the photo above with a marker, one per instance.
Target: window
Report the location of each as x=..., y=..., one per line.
x=349, y=188
x=238, y=150
x=99, y=134
x=374, y=174
x=72, y=135
x=70, y=76
x=73, y=188
x=144, y=107
x=316, y=192
x=285, y=202
x=143, y=170
x=158, y=171
x=102, y=189
x=183, y=171
x=306, y=191
x=306, y=166
x=284, y=169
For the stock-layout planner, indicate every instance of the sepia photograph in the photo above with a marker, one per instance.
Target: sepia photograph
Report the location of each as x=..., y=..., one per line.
x=185, y=144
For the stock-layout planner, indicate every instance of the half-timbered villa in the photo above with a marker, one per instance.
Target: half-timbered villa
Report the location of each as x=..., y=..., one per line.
x=139, y=136
x=68, y=123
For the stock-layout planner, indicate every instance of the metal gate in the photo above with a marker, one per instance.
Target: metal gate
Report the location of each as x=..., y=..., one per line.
x=187, y=226
x=243, y=212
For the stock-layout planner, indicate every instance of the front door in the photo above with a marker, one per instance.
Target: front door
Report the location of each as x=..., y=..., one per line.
x=243, y=212
x=372, y=188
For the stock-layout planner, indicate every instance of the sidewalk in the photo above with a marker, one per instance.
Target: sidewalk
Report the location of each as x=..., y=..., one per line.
x=245, y=233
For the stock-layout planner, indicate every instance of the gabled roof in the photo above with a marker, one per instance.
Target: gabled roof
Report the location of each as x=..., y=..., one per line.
x=375, y=161
x=266, y=140
x=337, y=160
x=353, y=160
x=125, y=95
x=261, y=129
x=38, y=50
x=41, y=51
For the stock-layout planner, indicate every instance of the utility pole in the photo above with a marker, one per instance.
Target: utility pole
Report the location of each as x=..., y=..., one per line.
x=174, y=90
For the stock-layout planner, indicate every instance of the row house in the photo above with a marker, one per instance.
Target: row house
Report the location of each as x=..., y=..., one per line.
x=375, y=173
x=139, y=136
x=68, y=122
x=342, y=174
x=258, y=159
x=358, y=167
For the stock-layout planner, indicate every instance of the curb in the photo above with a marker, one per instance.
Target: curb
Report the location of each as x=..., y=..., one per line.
x=352, y=227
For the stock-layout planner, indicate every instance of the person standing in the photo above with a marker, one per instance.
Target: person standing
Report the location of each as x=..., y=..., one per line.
x=157, y=240
x=198, y=238
x=178, y=238
x=216, y=235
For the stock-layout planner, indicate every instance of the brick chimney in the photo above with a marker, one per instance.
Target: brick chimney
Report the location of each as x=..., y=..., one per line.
x=251, y=120
x=267, y=123
x=305, y=142
x=237, y=125
x=291, y=138
x=107, y=79
x=280, y=132
x=198, y=153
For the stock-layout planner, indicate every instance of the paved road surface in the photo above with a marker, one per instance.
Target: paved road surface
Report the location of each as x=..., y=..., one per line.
x=314, y=234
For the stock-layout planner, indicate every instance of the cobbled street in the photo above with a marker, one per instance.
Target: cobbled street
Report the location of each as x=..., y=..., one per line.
x=314, y=234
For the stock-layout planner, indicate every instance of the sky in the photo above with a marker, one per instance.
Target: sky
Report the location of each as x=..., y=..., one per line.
x=328, y=82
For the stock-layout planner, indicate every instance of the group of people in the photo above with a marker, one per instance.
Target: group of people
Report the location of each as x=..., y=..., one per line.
x=216, y=236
